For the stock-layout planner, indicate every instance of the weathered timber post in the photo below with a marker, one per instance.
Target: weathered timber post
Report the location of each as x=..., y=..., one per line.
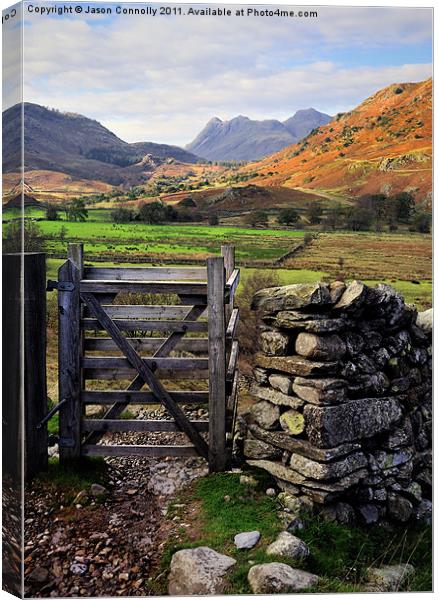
x=217, y=364
x=75, y=253
x=69, y=360
x=12, y=404
x=228, y=253
x=35, y=384
x=24, y=363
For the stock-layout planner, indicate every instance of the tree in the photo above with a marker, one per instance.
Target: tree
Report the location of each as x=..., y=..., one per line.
x=422, y=222
x=334, y=216
x=52, y=212
x=404, y=205
x=122, y=215
x=257, y=217
x=213, y=219
x=288, y=216
x=314, y=213
x=76, y=210
x=359, y=219
x=157, y=212
x=23, y=235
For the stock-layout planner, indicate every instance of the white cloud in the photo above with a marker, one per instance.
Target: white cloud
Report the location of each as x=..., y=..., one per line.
x=162, y=79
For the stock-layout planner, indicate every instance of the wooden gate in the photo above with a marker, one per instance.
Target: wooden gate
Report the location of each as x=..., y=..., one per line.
x=101, y=339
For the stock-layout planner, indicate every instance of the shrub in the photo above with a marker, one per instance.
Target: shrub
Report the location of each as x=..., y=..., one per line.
x=213, y=219
x=52, y=213
x=123, y=215
x=257, y=217
x=288, y=216
x=250, y=319
x=422, y=222
x=23, y=235
x=157, y=212
x=314, y=213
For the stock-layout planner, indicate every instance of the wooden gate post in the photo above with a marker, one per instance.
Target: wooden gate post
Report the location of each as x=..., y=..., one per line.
x=217, y=364
x=12, y=393
x=228, y=253
x=75, y=252
x=35, y=386
x=69, y=361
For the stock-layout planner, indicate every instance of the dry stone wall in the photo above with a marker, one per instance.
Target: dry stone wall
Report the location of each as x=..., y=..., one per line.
x=343, y=416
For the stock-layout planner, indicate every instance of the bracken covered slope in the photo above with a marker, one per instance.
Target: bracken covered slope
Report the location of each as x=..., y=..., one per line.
x=383, y=145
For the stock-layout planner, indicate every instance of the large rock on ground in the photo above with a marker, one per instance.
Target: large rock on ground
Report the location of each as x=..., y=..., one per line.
x=198, y=571
x=329, y=426
x=320, y=347
x=288, y=545
x=299, y=295
x=247, y=539
x=389, y=578
x=279, y=578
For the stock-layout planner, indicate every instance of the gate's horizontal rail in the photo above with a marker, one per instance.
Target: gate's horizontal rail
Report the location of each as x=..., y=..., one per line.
x=143, y=287
x=149, y=325
x=146, y=273
x=121, y=396
x=125, y=373
x=233, y=324
x=233, y=361
x=231, y=285
x=194, y=345
x=115, y=362
x=137, y=425
x=152, y=451
x=143, y=311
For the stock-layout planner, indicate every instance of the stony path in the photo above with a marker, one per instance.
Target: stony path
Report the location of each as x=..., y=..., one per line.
x=112, y=545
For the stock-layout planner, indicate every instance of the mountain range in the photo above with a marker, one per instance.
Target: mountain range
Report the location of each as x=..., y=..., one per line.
x=244, y=139
x=79, y=146
x=383, y=145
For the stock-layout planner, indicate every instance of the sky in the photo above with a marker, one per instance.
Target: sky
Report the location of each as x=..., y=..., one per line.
x=162, y=78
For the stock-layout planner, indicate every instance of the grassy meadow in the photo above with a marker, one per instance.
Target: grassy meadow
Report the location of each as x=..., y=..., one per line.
x=401, y=258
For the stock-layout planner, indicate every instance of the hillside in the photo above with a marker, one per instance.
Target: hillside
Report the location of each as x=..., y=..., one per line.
x=242, y=138
x=383, y=145
x=80, y=147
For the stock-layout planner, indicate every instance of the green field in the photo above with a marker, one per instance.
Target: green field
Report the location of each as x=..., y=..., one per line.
x=402, y=258
x=158, y=242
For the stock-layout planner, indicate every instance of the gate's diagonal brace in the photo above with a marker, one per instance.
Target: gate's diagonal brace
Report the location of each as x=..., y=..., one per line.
x=165, y=349
x=147, y=375
x=51, y=412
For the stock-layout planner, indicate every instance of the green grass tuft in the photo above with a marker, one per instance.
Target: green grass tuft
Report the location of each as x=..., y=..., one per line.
x=79, y=475
x=338, y=554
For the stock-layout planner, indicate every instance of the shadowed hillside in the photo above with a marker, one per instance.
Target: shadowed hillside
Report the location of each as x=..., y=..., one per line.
x=79, y=146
